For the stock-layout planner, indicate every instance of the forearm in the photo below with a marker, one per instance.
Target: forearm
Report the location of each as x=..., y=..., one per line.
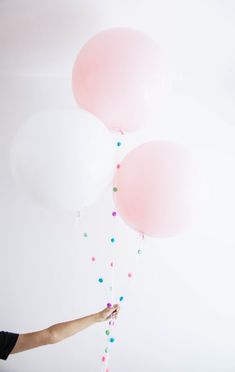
x=63, y=330
x=60, y=331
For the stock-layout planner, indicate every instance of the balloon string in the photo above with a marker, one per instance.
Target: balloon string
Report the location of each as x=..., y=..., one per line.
x=140, y=246
x=141, y=243
x=113, y=262
x=104, y=287
x=112, y=265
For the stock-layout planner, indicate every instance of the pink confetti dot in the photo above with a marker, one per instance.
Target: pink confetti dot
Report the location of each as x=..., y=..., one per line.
x=114, y=214
x=103, y=359
x=107, y=370
x=118, y=166
x=129, y=275
x=93, y=259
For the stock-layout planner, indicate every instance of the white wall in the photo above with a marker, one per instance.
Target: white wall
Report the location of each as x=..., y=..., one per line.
x=179, y=309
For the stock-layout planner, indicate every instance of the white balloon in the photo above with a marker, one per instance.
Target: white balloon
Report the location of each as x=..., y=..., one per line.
x=64, y=159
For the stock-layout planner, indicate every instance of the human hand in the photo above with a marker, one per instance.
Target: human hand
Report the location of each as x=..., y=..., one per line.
x=108, y=313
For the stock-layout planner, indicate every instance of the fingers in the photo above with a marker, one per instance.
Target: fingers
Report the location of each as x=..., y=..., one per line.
x=115, y=311
x=112, y=312
x=115, y=307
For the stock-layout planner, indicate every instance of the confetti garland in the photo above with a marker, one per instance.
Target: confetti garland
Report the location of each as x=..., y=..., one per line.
x=108, y=285
x=112, y=266
x=109, y=331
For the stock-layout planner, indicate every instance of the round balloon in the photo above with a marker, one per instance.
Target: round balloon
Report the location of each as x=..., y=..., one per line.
x=153, y=188
x=117, y=77
x=64, y=159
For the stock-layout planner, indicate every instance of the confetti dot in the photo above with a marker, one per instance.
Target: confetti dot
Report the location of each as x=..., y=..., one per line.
x=110, y=288
x=129, y=275
x=109, y=305
x=93, y=259
x=115, y=189
x=85, y=235
x=118, y=166
x=121, y=298
x=114, y=214
x=112, y=240
x=107, y=332
x=111, y=264
x=100, y=280
x=139, y=251
x=107, y=370
x=119, y=143
x=103, y=359
x=112, y=339
x=106, y=349
x=110, y=323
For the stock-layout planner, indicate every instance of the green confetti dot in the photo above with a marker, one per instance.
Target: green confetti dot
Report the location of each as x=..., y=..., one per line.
x=85, y=235
x=106, y=349
x=107, y=332
x=139, y=251
x=115, y=189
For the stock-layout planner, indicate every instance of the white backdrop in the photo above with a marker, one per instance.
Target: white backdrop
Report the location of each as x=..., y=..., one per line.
x=179, y=312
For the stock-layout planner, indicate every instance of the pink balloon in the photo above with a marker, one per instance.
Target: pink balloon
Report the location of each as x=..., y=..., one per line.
x=116, y=76
x=155, y=188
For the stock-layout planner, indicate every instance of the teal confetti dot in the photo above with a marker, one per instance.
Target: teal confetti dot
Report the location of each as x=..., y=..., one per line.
x=121, y=298
x=119, y=143
x=112, y=240
x=112, y=339
x=100, y=280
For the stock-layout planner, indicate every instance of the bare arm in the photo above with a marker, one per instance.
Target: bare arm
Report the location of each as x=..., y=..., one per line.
x=60, y=331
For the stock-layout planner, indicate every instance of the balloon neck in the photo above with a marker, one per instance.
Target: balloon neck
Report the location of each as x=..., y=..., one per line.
x=142, y=235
